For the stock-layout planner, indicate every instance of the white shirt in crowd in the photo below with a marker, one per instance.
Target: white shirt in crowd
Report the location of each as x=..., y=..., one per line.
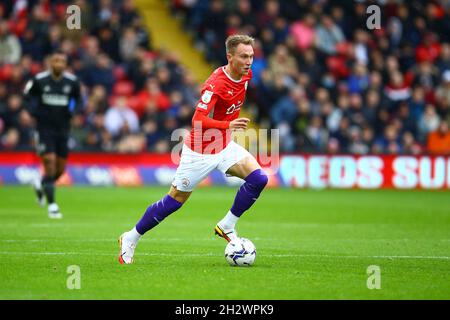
x=117, y=116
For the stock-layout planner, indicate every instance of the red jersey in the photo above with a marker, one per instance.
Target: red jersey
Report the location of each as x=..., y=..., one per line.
x=223, y=97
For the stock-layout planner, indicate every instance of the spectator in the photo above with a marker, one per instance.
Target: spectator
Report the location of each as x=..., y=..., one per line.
x=429, y=50
x=128, y=44
x=443, y=91
x=328, y=35
x=410, y=145
x=359, y=79
x=120, y=120
x=285, y=109
x=361, y=46
x=443, y=62
x=12, y=113
x=389, y=142
x=10, y=140
x=371, y=106
x=428, y=122
x=438, y=141
x=357, y=144
x=10, y=49
x=317, y=134
x=310, y=65
x=406, y=119
x=283, y=65
x=152, y=94
x=417, y=103
x=109, y=42
x=101, y=73
x=303, y=32
x=397, y=89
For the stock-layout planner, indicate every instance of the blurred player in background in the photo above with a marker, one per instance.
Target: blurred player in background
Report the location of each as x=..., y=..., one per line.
x=52, y=96
x=209, y=147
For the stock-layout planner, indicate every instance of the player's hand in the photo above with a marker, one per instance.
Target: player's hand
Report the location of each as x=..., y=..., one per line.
x=239, y=124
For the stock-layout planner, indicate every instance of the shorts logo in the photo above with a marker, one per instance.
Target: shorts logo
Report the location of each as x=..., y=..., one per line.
x=202, y=106
x=185, y=182
x=206, y=97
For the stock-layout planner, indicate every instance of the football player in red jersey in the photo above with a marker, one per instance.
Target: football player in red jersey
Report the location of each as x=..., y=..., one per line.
x=209, y=146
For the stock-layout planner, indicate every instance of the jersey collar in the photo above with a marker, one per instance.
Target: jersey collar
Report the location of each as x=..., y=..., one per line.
x=229, y=77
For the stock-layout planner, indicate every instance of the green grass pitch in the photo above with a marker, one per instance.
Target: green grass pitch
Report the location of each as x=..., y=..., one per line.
x=310, y=245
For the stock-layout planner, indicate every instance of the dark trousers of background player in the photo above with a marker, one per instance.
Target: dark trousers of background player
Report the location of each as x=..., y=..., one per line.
x=52, y=147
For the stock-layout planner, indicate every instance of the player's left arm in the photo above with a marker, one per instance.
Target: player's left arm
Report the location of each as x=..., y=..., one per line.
x=75, y=103
x=204, y=106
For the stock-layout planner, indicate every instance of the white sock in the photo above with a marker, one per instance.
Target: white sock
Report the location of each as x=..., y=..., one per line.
x=229, y=221
x=133, y=235
x=37, y=183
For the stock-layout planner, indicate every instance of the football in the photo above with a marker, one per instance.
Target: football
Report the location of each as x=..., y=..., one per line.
x=240, y=252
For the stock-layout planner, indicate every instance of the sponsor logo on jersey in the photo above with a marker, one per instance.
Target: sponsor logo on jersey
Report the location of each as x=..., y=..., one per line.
x=207, y=95
x=202, y=106
x=234, y=107
x=55, y=99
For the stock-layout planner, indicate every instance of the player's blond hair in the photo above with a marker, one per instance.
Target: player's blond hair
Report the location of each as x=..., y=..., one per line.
x=233, y=41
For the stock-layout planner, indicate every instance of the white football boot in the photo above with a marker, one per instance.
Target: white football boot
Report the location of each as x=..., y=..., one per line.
x=126, y=251
x=227, y=234
x=53, y=211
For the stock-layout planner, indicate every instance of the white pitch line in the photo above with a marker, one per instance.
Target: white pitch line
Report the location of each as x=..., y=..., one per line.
x=214, y=254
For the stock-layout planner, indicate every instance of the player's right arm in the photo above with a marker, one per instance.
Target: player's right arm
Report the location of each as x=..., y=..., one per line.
x=204, y=107
x=30, y=93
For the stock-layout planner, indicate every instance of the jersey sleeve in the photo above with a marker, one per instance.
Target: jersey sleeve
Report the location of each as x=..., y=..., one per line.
x=31, y=88
x=75, y=105
x=204, y=106
x=31, y=93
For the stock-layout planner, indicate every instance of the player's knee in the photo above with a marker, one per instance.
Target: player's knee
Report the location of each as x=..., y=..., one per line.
x=178, y=195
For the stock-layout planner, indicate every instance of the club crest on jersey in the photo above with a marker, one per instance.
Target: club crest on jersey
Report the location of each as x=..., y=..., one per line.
x=67, y=89
x=207, y=95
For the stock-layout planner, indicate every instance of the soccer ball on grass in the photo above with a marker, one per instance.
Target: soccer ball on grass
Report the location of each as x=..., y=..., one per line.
x=240, y=252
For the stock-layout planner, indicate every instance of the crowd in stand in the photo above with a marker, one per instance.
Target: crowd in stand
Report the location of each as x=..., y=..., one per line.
x=320, y=75
x=133, y=96
x=329, y=81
